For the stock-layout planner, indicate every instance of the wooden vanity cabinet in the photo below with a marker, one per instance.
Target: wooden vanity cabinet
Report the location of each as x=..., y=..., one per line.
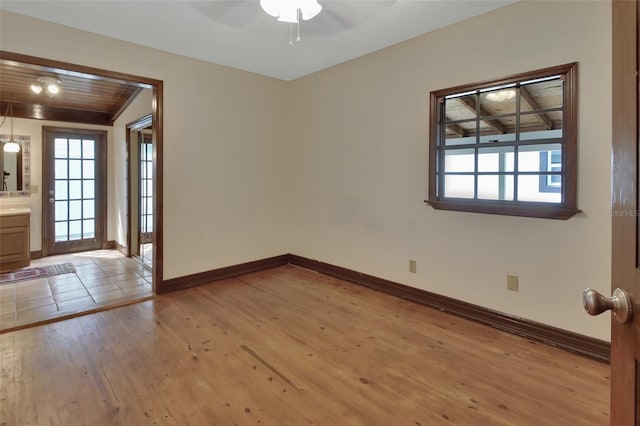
x=15, y=251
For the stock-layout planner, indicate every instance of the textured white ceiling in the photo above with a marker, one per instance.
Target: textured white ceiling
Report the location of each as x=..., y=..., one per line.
x=240, y=35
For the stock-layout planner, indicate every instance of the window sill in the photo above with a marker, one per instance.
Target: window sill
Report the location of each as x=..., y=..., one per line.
x=537, y=210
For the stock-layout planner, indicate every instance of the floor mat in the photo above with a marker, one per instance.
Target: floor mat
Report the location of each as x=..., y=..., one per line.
x=40, y=272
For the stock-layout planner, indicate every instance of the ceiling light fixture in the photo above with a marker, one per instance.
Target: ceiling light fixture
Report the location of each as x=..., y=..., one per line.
x=11, y=146
x=291, y=11
x=50, y=85
x=501, y=95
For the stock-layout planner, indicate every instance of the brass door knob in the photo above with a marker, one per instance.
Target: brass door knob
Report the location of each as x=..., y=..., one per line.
x=619, y=304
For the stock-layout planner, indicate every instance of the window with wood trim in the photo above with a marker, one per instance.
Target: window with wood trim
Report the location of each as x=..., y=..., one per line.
x=506, y=146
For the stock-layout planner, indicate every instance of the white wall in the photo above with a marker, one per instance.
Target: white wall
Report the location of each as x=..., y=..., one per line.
x=222, y=144
x=359, y=163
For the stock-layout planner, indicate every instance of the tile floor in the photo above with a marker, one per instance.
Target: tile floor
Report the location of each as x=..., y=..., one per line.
x=103, y=278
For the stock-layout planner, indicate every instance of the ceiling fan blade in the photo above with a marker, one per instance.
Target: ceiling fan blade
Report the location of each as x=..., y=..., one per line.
x=238, y=13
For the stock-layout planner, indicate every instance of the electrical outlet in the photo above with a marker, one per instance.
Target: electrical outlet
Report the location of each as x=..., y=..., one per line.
x=512, y=282
x=412, y=266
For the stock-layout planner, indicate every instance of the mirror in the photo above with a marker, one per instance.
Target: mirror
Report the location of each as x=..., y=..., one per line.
x=16, y=168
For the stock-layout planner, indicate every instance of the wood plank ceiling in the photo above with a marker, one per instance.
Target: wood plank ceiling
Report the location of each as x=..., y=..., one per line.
x=83, y=98
x=544, y=99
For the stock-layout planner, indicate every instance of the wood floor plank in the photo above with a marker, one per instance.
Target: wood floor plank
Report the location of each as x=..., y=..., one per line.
x=288, y=346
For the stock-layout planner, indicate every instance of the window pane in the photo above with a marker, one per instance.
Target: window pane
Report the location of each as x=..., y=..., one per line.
x=61, y=231
x=75, y=190
x=460, y=134
x=459, y=160
x=75, y=169
x=149, y=170
x=61, y=190
x=60, y=148
x=458, y=108
x=88, y=171
x=75, y=210
x=61, y=169
x=61, y=210
x=532, y=158
x=75, y=230
x=88, y=228
x=529, y=190
x=458, y=186
x=75, y=148
x=502, y=97
x=149, y=187
x=491, y=135
x=495, y=187
x=88, y=188
x=88, y=209
x=541, y=95
x=541, y=126
x=88, y=149
x=495, y=159
x=149, y=205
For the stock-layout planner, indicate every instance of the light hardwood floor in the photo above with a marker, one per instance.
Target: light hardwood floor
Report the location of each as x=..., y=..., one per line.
x=288, y=346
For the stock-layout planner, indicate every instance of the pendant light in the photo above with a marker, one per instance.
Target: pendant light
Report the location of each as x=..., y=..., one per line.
x=11, y=146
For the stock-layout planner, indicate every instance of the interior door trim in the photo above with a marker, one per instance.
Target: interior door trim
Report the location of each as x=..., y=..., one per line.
x=158, y=133
x=139, y=124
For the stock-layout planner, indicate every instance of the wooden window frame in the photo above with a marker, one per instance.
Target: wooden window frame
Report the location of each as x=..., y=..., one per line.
x=568, y=205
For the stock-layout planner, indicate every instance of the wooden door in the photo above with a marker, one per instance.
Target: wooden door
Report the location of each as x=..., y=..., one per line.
x=74, y=190
x=625, y=338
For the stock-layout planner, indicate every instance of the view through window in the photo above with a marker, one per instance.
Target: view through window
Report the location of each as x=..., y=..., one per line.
x=506, y=146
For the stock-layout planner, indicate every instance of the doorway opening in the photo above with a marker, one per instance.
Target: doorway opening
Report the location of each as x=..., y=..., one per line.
x=140, y=190
x=87, y=225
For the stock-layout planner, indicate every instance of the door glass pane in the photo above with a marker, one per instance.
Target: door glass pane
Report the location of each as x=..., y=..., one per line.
x=75, y=230
x=60, y=169
x=88, y=149
x=88, y=209
x=75, y=190
x=75, y=169
x=88, y=228
x=75, y=148
x=88, y=171
x=60, y=148
x=62, y=208
x=61, y=231
x=61, y=190
x=88, y=188
x=75, y=210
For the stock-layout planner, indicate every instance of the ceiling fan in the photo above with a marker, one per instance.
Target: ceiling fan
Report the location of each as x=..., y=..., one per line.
x=335, y=17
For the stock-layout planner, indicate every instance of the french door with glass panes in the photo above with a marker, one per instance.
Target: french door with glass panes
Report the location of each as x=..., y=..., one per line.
x=145, y=224
x=74, y=190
